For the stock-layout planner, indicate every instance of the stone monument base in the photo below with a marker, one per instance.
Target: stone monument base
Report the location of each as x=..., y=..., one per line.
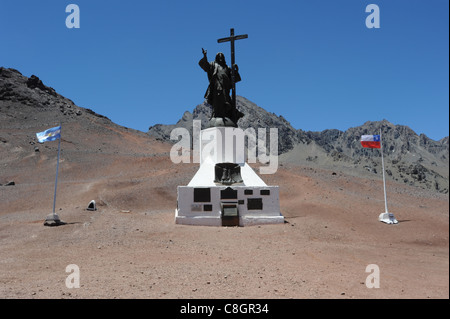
x=228, y=206
x=226, y=191
x=218, y=221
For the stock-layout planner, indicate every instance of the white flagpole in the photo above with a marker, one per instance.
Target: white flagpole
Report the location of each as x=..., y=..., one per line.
x=385, y=217
x=53, y=219
x=384, y=177
x=57, y=168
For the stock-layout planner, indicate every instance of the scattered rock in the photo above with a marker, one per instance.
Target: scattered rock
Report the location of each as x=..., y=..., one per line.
x=34, y=82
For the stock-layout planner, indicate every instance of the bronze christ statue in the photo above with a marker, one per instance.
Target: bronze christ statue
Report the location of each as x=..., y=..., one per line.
x=224, y=112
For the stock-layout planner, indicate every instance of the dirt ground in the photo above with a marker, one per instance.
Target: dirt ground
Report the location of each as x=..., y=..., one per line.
x=130, y=247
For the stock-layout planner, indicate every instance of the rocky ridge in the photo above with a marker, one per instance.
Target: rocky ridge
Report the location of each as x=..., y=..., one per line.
x=410, y=158
x=28, y=106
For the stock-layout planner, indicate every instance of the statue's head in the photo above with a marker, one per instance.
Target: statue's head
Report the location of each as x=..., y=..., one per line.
x=220, y=58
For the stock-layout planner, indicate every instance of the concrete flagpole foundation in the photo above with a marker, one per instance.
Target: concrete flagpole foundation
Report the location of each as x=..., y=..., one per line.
x=387, y=218
x=53, y=220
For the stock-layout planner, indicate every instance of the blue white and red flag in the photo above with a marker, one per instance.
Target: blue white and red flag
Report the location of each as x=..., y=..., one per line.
x=371, y=141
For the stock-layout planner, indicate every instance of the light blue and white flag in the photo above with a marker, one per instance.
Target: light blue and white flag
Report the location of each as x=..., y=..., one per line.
x=49, y=135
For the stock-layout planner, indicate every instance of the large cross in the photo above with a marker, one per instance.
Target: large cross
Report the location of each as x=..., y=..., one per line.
x=231, y=39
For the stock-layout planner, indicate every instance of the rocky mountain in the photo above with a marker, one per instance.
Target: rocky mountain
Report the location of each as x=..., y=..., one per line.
x=410, y=158
x=27, y=106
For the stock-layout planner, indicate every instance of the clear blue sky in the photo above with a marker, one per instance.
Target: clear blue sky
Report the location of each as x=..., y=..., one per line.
x=314, y=62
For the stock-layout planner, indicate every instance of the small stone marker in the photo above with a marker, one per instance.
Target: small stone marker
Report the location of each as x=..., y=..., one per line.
x=92, y=206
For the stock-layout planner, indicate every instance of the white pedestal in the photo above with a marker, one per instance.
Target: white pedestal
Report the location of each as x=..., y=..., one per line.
x=222, y=145
x=204, y=202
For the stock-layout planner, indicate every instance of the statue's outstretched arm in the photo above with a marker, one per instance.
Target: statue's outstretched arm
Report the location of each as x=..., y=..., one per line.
x=204, y=62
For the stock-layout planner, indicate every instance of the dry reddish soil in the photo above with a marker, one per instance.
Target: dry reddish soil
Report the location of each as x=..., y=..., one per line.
x=131, y=247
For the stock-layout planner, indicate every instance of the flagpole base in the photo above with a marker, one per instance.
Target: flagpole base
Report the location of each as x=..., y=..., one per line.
x=387, y=218
x=53, y=220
